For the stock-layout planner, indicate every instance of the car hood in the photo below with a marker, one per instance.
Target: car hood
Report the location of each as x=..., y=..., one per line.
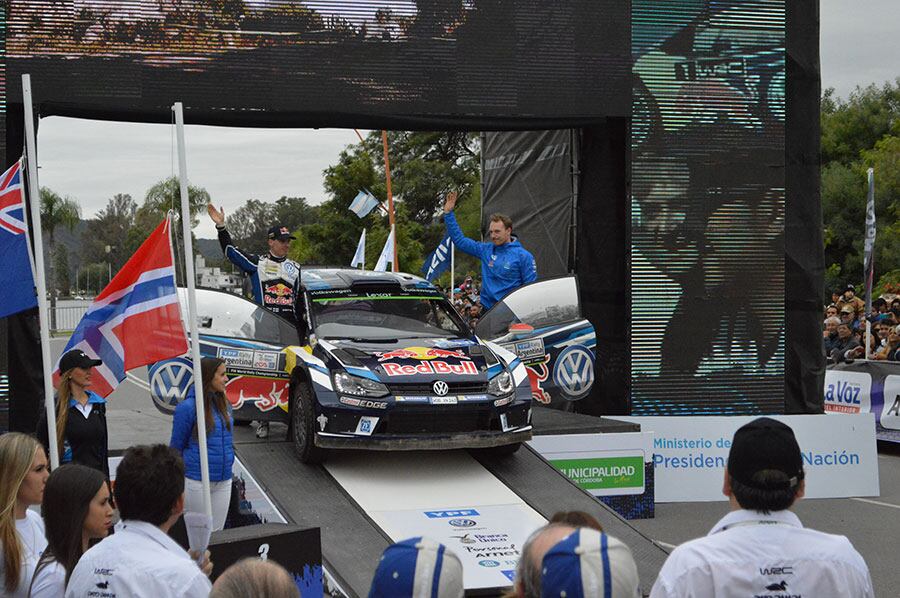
x=416, y=360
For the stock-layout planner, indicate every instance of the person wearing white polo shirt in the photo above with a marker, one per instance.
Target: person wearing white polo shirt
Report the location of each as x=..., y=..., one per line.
x=140, y=559
x=760, y=548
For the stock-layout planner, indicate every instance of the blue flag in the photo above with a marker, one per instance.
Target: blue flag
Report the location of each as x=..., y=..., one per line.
x=16, y=279
x=438, y=260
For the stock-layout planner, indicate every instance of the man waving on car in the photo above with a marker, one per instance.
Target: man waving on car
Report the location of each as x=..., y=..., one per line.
x=505, y=264
x=274, y=278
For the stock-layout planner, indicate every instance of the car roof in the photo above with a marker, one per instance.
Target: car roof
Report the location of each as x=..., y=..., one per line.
x=343, y=278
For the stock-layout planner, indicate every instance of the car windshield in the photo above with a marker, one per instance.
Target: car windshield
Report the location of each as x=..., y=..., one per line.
x=382, y=316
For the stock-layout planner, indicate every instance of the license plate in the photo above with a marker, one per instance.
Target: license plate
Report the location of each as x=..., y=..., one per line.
x=443, y=400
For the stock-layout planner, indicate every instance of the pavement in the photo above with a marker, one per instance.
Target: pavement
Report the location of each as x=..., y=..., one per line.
x=871, y=523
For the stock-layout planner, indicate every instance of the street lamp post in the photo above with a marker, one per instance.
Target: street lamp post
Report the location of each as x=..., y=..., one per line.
x=109, y=248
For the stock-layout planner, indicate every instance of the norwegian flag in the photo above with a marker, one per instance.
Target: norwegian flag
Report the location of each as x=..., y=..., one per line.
x=16, y=278
x=135, y=320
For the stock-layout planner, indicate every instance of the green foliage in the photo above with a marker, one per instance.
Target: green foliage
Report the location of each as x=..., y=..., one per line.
x=110, y=229
x=857, y=123
x=61, y=267
x=859, y=133
x=250, y=223
x=424, y=167
x=889, y=283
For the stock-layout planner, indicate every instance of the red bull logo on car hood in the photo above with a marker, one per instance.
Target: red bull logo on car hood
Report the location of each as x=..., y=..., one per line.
x=466, y=368
x=422, y=353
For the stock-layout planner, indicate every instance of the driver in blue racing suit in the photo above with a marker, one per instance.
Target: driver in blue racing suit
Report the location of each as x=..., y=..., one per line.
x=274, y=278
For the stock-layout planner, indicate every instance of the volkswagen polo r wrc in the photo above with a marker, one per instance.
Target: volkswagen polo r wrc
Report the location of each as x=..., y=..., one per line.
x=388, y=365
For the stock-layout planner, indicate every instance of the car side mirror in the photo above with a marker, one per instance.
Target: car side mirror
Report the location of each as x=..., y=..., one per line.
x=520, y=330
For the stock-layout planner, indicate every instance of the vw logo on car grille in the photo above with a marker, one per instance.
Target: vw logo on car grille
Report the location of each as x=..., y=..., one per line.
x=440, y=388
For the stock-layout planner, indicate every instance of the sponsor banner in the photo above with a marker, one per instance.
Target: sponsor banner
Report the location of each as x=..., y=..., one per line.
x=487, y=538
x=690, y=454
x=866, y=386
x=848, y=392
x=602, y=464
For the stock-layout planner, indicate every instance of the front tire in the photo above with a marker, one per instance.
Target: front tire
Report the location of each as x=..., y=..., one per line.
x=303, y=425
x=500, y=452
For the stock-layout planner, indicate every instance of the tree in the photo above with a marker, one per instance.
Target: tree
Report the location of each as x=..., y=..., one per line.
x=61, y=267
x=250, y=223
x=854, y=125
x=56, y=211
x=110, y=228
x=160, y=198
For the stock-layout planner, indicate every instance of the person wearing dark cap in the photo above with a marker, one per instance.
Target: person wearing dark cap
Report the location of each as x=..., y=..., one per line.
x=81, y=433
x=274, y=278
x=760, y=547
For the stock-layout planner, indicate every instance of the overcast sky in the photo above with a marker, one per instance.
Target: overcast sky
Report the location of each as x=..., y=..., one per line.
x=93, y=160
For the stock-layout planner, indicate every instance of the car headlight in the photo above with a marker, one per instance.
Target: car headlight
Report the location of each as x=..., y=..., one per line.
x=358, y=386
x=501, y=384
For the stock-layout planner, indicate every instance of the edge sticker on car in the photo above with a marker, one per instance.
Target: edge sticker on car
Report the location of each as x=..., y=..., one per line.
x=236, y=357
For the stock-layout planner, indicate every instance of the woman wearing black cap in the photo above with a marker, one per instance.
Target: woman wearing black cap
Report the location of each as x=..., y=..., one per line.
x=81, y=433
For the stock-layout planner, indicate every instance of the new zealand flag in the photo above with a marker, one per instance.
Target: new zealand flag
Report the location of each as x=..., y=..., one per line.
x=16, y=278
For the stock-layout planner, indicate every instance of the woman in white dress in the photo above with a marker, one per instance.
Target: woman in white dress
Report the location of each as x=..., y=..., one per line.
x=23, y=474
x=77, y=509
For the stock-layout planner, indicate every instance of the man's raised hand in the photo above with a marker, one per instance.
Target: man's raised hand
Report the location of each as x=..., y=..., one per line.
x=450, y=202
x=218, y=216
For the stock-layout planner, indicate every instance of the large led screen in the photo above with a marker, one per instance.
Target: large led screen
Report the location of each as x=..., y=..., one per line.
x=707, y=207
x=401, y=63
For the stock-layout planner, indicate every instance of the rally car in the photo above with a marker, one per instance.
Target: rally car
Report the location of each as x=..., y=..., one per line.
x=388, y=364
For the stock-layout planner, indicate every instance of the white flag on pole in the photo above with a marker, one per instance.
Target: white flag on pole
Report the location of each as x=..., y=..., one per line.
x=359, y=258
x=387, y=254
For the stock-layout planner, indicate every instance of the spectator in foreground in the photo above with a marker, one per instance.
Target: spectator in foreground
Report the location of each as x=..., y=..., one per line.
x=751, y=550
x=419, y=568
x=257, y=578
x=77, y=508
x=140, y=559
x=588, y=563
x=23, y=474
x=219, y=441
x=529, y=568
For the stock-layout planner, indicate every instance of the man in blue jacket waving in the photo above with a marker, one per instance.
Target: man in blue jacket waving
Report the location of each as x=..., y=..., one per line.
x=505, y=264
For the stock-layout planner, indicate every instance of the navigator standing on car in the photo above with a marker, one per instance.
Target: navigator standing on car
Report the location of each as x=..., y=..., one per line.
x=505, y=264
x=273, y=276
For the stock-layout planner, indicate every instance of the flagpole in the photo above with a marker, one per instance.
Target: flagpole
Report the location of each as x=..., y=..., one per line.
x=192, y=307
x=452, y=268
x=34, y=194
x=869, y=255
x=390, y=195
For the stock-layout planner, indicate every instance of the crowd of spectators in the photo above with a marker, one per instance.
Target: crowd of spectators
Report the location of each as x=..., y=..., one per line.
x=845, y=323
x=466, y=299
x=74, y=554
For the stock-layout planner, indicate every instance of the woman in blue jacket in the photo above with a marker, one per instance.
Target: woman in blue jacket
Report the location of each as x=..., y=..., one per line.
x=219, y=444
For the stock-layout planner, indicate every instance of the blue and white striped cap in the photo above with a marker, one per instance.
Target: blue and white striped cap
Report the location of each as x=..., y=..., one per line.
x=419, y=568
x=589, y=563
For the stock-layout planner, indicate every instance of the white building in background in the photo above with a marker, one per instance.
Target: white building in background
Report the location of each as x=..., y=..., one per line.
x=215, y=278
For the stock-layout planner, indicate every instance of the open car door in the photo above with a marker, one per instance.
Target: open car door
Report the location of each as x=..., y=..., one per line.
x=541, y=323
